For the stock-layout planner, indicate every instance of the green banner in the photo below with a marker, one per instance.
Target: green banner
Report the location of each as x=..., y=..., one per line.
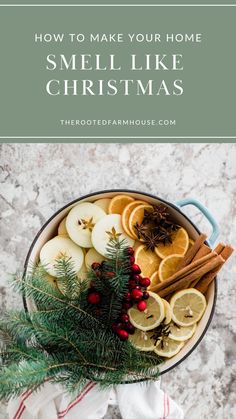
x=127, y=73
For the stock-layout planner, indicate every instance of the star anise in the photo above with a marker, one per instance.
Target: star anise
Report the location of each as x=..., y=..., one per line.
x=161, y=332
x=157, y=227
x=87, y=224
x=141, y=229
x=151, y=240
x=113, y=235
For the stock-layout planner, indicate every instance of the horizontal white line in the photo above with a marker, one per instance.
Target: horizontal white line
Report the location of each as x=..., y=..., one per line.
x=117, y=5
x=104, y=137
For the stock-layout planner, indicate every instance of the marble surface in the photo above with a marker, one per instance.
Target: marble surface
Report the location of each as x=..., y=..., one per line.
x=37, y=179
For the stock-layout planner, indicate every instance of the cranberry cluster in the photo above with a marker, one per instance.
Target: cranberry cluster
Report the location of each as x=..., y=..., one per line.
x=137, y=294
x=94, y=297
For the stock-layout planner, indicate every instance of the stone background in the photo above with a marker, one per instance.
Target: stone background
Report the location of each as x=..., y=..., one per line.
x=37, y=179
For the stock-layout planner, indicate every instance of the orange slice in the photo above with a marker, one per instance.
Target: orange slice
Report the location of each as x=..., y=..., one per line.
x=126, y=214
x=179, y=245
x=191, y=243
x=168, y=266
x=118, y=203
x=147, y=260
x=136, y=216
x=154, y=278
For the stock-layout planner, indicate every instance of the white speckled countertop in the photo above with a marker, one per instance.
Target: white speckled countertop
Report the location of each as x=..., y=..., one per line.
x=37, y=179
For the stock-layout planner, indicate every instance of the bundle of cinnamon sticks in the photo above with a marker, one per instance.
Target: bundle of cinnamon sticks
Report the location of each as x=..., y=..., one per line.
x=198, y=268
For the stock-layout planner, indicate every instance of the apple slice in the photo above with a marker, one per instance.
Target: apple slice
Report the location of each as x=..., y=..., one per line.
x=103, y=203
x=62, y=231
x=57, y=248
x=106, y=229
x=93, y=256
x=80, y=222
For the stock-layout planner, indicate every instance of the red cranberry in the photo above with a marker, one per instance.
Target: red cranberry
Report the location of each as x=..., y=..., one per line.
x=130, y=251
x=136, y=294
x=142, y=305
x=135, y=269
x=114, y=328
x=132, y=260
x=110, y=274
x=95, y=266
x=132, y=284
x=94, y=297
x=145, y=282
x=124, y=318
x=130, y=328
x=119, y=325
x=136, y=278
x=127, y=296
x=126, y=305
x=103, y=264
x=137, y=287
x=123, y=334
x=145, y=295
x=98, y=273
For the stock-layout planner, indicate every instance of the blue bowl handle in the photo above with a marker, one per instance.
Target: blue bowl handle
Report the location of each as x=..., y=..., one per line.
x=215, y=227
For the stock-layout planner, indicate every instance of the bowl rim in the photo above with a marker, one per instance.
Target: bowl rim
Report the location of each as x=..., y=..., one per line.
x=91, y=194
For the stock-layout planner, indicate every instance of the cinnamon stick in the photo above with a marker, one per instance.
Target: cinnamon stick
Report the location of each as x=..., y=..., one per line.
x=183, y=272
x=207, y=249
x=203, y=251
x=192, y=251
x=203, y=284
x=192, y=276
x=219, y=248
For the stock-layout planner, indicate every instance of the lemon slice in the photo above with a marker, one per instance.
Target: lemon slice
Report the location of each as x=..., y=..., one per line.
x=151, y=317
x=147, y=260
x=168, y=266
x=187, y=306
x=181, y=333
x=168, y=311
x=179, y=245
x=168, y=347
x=142, y=340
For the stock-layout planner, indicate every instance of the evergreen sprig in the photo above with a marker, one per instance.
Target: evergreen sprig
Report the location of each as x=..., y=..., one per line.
x=65, y=339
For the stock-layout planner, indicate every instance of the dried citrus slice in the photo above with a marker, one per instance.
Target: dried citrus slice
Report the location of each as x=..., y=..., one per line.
x=126, y=214
x=118, y=203
x=147, y=260
x=168, y=266
x=168, y=311
x=191, y=243
x=179, y=245
x=167, y=347
x=187, y=306
x=142, y=340
x=181, y=333
x=151, y=317
x=136, y=216
x=154, y=278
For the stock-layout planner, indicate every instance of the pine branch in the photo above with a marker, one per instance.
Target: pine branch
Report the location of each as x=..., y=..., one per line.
x=67, y=340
